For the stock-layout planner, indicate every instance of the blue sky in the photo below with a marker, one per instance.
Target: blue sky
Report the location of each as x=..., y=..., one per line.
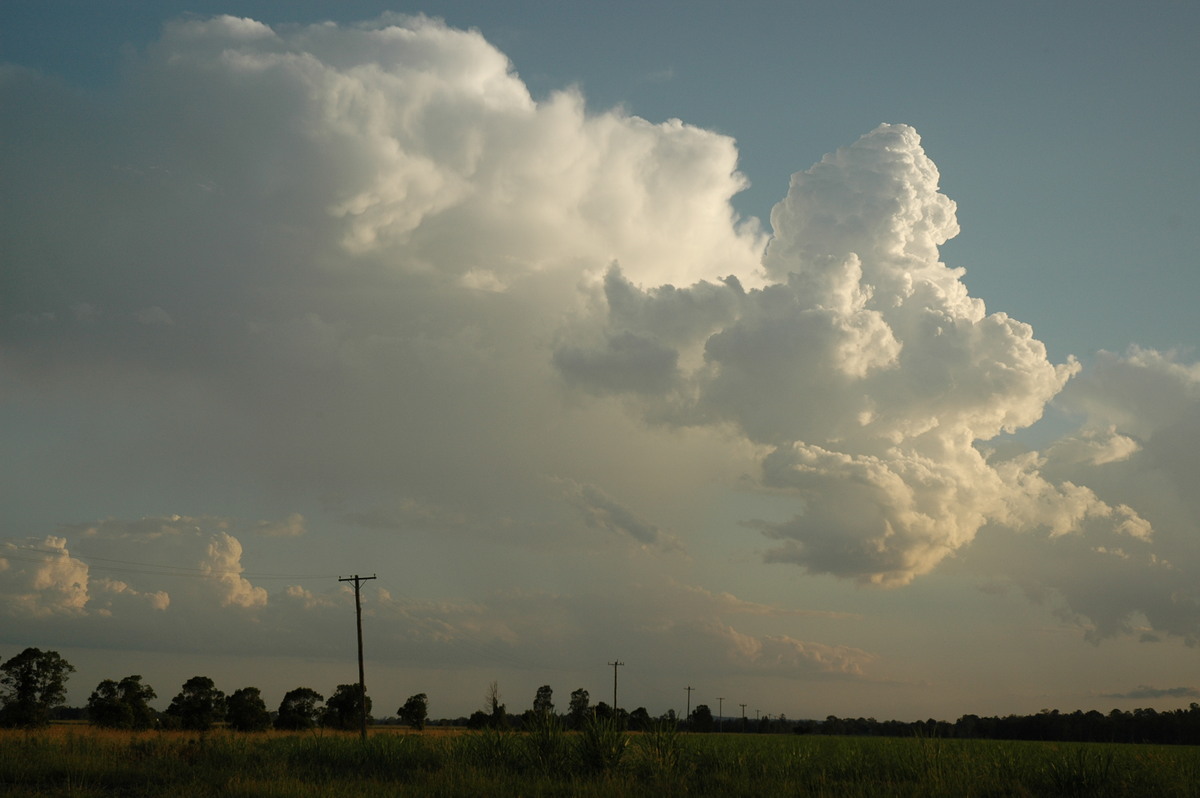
x=286, y=300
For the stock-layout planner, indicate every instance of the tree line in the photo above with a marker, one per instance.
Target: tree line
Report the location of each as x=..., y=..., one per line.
x=33, y=692
x=580, y=712
x=1142, y=725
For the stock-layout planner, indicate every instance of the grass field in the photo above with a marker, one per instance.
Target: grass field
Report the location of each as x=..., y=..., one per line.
x=80, y=761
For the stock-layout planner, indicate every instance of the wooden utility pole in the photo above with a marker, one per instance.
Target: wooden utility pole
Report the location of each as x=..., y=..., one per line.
x=615, y=664
x=689, y=689
x=720, y=710
x=362, y=683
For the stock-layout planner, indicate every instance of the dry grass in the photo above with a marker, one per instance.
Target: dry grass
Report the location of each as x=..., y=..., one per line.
x=78, y=760
x=81, y=728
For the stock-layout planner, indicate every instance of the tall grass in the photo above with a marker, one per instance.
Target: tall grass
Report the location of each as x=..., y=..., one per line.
x=599, y=760
x=661, y=748
x=548, y=747
x=602, y=744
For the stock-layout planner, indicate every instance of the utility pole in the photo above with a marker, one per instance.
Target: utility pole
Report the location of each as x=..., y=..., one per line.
x=615, y=664
x=362, y=683
x=720, y=712
x=743, y=706
x=689, y=689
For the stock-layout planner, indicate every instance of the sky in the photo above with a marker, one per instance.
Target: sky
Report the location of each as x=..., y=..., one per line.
x=825, y=358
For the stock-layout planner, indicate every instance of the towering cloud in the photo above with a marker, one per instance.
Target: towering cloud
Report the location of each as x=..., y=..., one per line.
x=862, y=365
x=362, y=263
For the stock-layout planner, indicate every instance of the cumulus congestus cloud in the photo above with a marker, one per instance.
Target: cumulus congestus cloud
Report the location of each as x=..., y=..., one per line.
x=861, y=364
x=364, y=262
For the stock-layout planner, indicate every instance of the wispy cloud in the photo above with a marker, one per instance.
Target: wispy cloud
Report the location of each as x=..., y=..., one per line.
x=1147, y=692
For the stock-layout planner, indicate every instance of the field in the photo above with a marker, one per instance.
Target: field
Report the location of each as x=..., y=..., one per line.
x=80, y=761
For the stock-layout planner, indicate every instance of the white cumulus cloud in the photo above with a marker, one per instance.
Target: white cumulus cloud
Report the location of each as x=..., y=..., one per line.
x=862, y=364
x=361, y=266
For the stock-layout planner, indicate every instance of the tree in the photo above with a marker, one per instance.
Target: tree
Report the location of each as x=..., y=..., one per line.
x=343, y=709
x=198, y=705
x=31, y=684
x=104, y=707
x=246, y=711
x=577, y=710
x=543, y=702
x=702, y=719
x=122, y=705
x=639, y=719
x=499, y=712
x=137, y=697
x=415, y=711
x=299, y=710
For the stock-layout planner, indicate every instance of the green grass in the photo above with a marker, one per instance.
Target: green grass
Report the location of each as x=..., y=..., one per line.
x=596, y=762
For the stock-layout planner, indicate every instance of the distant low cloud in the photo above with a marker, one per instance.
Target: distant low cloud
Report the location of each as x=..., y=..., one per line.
x=674, y=623
x=196, y=559
x=1147, y=692
x=290, y=527
x=43, y=580
x=154, y=317
x=40, y=581
x=602, y=511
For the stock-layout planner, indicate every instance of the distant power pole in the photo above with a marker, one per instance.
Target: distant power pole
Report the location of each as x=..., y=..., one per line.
x=720, y=710
x=743, y=706
x=362, y=683
x=689, y=689
x=615, y=664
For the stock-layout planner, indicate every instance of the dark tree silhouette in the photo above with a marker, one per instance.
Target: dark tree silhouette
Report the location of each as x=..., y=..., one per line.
x=122, y=705
x=498, y=712
x=198, y=705
x=543, y=702
x=31, y=684
x=342, y=710
x=415, y=711
x=701, y=719
x=246, y=711
x=299, y=710
x=639, y=719
x=577, y=710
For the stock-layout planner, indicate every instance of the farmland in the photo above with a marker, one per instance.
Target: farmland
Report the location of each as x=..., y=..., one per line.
x=599, y=761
